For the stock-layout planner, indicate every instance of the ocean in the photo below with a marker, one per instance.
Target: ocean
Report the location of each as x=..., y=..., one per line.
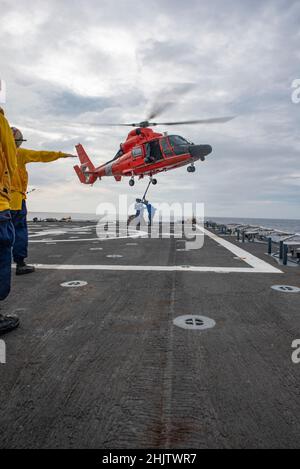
x=292, y=226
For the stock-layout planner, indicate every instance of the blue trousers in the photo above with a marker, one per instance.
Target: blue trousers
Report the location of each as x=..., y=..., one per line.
x=19, y=219
x=7, y=238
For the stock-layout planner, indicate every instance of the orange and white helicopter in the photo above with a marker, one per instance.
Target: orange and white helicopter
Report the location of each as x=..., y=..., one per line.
x=147, y=153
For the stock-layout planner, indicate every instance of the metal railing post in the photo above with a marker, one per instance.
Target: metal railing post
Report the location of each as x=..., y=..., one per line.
x=281, y=250
x=269, y=245
x=285, y=254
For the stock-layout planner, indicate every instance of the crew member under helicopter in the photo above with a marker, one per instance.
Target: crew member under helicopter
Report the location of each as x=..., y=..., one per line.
x=151, y=211
x=139, y=207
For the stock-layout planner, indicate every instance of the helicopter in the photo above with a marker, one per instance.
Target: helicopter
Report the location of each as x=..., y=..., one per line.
x=147, y=153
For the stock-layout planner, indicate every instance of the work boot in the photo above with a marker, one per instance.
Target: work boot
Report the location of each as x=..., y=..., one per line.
x=8, y=323
x=23, y=269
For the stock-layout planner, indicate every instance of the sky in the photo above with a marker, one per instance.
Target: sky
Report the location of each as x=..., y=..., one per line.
x=69, y=65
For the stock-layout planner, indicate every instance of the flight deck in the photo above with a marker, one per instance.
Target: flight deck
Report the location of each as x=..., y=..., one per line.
x=132, y=342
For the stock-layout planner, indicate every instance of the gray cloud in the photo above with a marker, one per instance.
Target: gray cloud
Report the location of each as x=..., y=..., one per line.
x=70, y=64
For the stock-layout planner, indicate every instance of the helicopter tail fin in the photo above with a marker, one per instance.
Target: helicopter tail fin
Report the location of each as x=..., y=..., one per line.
x=86, y=170
x=83, y=157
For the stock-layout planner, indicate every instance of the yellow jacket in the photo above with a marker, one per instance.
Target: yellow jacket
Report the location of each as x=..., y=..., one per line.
x=20, y=178
x=8, y=162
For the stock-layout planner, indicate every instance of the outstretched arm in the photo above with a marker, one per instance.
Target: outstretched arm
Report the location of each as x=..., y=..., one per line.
x=33, y=156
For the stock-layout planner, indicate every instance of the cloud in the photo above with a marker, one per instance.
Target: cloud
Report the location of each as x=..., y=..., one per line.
x=97, y=62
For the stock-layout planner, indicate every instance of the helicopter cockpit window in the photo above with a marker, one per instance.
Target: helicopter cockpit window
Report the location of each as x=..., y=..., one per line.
x=137, y=151
x=179, y=144
x=177, y=140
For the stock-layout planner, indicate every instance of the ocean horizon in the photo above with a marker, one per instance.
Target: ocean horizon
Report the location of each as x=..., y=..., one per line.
x=290, y=225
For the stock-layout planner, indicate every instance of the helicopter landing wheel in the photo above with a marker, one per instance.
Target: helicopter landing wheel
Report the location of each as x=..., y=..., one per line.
x=154, y=181
x=191, y=169
x=131, y=182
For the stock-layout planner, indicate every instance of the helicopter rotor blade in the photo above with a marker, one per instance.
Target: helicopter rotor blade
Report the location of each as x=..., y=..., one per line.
x=97, y=124
x=159, y=109
x=214, y=120
x=169, y=97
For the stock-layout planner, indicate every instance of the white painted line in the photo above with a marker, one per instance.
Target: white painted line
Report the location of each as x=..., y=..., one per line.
x=154, y=268
x=65, y=240
x=258, y=264
x=74, y=239
x=48, y=232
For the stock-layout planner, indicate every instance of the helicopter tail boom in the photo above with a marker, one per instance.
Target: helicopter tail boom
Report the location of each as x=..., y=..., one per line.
x=85, y=172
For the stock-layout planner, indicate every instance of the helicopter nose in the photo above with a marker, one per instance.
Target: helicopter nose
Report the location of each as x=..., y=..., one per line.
x=200, y=151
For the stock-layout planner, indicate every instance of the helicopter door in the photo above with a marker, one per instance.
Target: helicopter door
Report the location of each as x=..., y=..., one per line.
x=166, y=148
x=155, y=151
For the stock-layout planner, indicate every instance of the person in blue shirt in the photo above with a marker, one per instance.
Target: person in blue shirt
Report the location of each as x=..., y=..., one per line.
x=151, y=211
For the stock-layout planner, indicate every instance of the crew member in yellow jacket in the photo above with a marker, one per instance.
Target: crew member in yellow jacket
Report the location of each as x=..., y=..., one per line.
x=8, y=165
x=18, y=198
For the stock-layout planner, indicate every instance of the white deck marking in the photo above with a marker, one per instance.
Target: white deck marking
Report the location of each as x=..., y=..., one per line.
x=258, y=264
x=155, y=268
x=76, y=239
x=107, y=235
x=48, y=232
x=65, y=240
x=73, y=239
